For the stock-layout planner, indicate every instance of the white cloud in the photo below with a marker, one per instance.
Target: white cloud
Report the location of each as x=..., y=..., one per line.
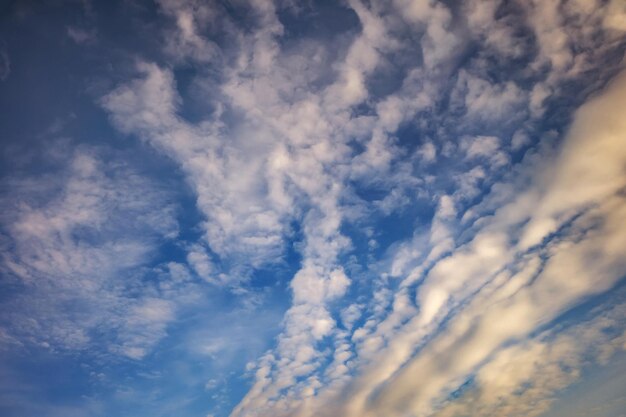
x=537, y=369
x=503, y=306
x=185, y=42
x=439, y=40
x=494, y=296
x=292, y=140
x=391, y=135
x=588, y=171
x=484, y=100
x=241, y=221
x=428, y=152
x=481, y=146
x=73, y=239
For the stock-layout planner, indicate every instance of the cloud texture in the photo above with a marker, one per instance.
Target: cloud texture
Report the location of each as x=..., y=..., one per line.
x=446, y=182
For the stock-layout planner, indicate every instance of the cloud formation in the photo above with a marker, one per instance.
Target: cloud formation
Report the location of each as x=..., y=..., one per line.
x=444, y=183
x=294, y=150
x=71, y=243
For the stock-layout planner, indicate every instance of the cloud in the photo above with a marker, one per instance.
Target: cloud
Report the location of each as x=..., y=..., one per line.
x=81, y=36
x=587, y=171
x=489, y=101
x=489, y=305
x=242, y=223
x=304, y=143
x=524, y=378
x=482, y=146
x=493, y=290
x=184, y=41
x=72, y=242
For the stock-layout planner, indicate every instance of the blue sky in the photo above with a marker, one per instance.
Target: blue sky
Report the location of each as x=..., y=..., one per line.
x=312, y=209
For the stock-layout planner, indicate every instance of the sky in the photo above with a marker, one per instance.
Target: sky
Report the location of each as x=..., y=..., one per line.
x=283, y=208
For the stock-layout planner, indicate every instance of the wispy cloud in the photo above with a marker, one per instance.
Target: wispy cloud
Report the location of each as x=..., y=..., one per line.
x=444, y=182
x=80, y=35
x=71, y=243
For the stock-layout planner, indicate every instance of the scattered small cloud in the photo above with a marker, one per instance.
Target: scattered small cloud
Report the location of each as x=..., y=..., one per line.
x=82, y=36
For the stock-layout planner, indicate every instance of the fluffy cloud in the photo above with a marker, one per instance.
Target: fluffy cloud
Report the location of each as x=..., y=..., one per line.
x=493, y=290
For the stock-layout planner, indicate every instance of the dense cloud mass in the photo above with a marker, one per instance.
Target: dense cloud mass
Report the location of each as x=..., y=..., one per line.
x=397, y=208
